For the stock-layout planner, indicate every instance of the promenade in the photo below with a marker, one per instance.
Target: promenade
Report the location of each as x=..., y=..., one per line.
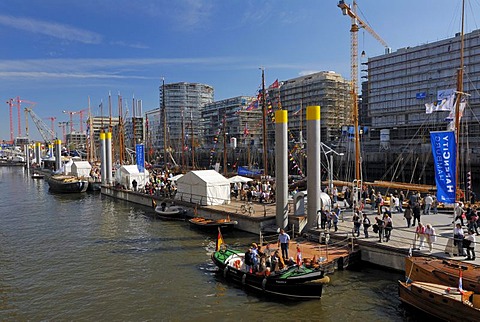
x=402, y=238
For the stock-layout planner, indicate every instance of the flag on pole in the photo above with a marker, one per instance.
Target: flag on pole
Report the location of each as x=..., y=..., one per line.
x=299, y=256
x=460, y=284
x=275, y=84
x=219, y=240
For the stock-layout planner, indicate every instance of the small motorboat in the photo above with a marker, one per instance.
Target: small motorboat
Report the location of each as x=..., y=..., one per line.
x=212, y=225
x=37, y=175
x=171, y=211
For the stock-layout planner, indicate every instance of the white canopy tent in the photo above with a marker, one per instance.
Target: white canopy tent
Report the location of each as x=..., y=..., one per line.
x=81, y=168
x=175, y=178
x=204, y=187
x=127, y=173
x=239, y=179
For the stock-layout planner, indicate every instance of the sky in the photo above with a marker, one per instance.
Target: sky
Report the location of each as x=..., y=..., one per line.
x=61, y=53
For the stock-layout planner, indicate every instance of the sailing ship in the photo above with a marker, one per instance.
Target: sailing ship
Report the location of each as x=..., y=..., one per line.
x=445, y=302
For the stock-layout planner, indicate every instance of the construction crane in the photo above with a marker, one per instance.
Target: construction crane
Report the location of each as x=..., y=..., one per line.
x=52, y=119
x=63, y=125
x=10, y=104
x=71, y=113
x=43, y=128
x=81, y=118
x=357, y=23
x=19, y=102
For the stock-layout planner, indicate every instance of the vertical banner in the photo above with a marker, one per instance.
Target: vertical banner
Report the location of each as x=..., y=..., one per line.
x=445, y=159
x=140, y=153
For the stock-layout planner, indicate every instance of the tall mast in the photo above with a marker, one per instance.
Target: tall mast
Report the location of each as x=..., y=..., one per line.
x=164, y=116
x=459, y=98
x=193, y=141
x=264, y=125
x=91, y=148
x=225, y=145
x=183, y=140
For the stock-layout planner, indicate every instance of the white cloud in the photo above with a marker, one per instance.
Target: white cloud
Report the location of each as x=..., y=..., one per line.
x=51, y=29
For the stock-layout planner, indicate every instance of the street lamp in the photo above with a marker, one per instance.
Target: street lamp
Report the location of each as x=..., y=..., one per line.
x=328, y=150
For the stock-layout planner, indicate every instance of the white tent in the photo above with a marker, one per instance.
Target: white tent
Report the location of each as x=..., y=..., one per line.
x=175, y=178
x=127, y=173
x=81, y=168
x=239, y=179
x=204, y=187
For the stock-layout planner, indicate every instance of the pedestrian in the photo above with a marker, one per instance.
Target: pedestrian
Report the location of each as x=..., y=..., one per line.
x=379, y=228
x=408, y=215
x=469, y=244
x=134, y=184
x=435, y=205
x=334, y=218
x=458, y=236
x=419, y=235
x=357, y=222
x=379, y=203
x=388, y=226
x=431, y=237
x=416, y=213
x=427, y=201
x=401, y=199
x=366, y=225
x=283, y=242
x=459, y=212
x=472, y=222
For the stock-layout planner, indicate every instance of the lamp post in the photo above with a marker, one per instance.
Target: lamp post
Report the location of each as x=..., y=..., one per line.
x=328, y=150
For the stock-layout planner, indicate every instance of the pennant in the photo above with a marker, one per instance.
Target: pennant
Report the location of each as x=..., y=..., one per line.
x=275, y=84
x=220, y=241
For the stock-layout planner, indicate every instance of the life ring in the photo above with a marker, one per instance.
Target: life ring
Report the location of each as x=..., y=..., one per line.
x=225, y=271
x=264, y=283
x=244, y=277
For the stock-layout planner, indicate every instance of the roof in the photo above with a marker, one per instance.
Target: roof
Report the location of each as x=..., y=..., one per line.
x=82, y=165
x=207, y=176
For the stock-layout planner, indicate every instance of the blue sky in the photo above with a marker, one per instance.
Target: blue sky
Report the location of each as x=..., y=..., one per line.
x=58, y=53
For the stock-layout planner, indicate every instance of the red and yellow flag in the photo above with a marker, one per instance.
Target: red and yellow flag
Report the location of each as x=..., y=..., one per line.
x=220, y=241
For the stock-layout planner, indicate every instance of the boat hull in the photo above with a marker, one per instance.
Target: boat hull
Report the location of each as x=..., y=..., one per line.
x=170, y=212
x=443, y=271
x=435, y=300
x=213, y=225
x=67, y=184
x=298, y=286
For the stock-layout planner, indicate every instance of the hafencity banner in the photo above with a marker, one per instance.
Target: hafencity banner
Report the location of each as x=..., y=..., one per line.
x=445, y=159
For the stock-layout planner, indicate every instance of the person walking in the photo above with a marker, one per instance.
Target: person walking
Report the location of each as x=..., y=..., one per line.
x=431, y=237
x=408, y=215
x=388, y=226
x=459, y=212
x=458, y=236
x=357, y=222
x=419, y=235
x=379, y=227
x=427, y=201
x=283, y=242
x=366, y=225
x=416, y=213
x=469, y=244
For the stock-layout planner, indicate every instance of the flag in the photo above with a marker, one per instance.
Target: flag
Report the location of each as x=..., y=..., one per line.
x=253, y=104
x=154, y=203
x=275, y=84
x=460, y=286
x=246, y=132
x=219, y=240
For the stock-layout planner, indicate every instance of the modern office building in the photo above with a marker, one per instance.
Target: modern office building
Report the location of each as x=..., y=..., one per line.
x=398, y=87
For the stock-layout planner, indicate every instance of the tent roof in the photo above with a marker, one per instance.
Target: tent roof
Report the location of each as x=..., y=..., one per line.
x=175, y=178
x=82, y=164
x=241, y=179
x=208, y=176
x=130, y=169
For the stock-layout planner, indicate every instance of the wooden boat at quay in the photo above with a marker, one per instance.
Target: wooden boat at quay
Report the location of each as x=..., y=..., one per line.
x=294, y=282
x=212, y=225
x=442, y=271
x=67, y=184
x=444, y=302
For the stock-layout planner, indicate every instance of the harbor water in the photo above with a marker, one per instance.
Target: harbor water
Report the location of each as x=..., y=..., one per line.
x=87, y=257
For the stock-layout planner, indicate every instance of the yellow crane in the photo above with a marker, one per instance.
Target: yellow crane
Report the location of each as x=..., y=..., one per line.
x=357, y=23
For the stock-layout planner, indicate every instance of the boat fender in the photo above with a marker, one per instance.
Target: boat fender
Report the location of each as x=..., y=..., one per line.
x=264, y=283
x=225, y=271
x=244, y=277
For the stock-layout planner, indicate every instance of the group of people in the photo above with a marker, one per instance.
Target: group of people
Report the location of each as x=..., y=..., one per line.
x=263, y=192
x=329, y=219
x=465, y=243
x=262, y=262
x=423, y=233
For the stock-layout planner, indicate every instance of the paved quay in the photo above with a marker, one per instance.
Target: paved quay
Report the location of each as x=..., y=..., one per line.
x=401, y=240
